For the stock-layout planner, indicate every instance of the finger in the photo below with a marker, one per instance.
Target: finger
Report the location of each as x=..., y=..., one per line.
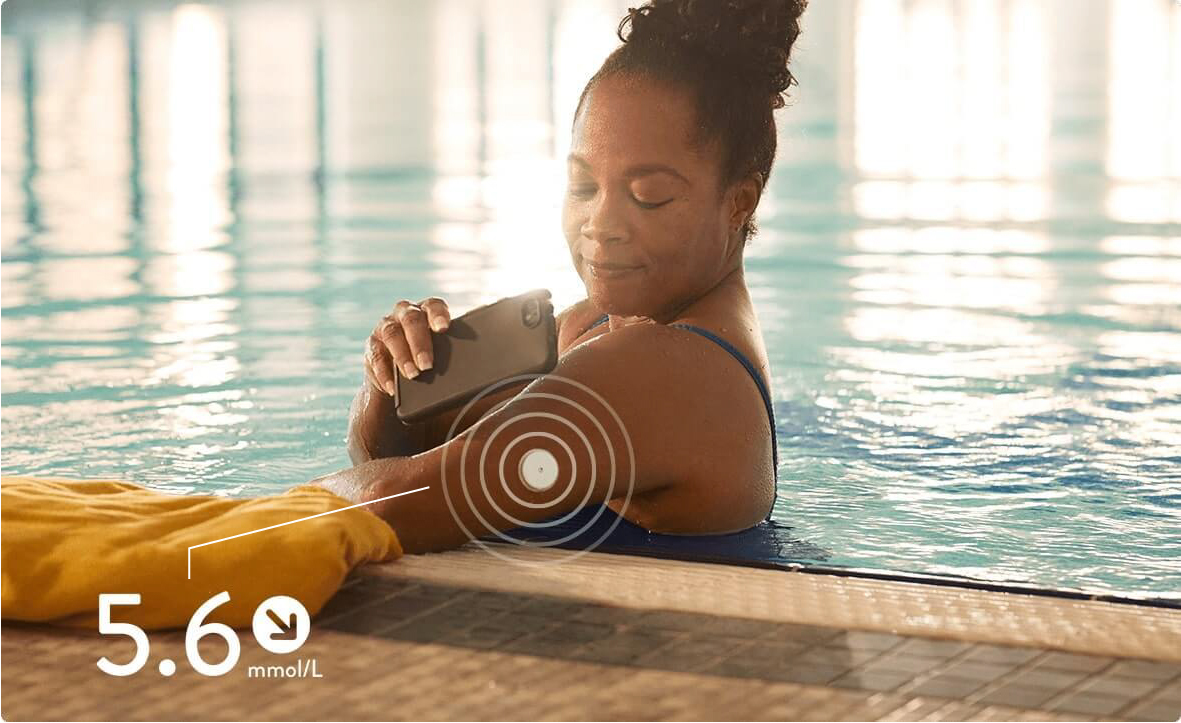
x=393, y=336
x=418, y=337
x=437, y=313
x=379, y=365
x=400, y=308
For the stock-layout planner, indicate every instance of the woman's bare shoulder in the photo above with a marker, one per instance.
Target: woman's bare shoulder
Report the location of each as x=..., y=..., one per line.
x=694, y=412
x=738, y=325
x=573, y=321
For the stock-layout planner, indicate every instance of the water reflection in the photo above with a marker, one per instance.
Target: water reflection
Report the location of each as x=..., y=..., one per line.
x=1144, y=110
x=938, y=200
x=967, y=272
x=197, y=153
x=86, y=279
x=943, y=93
x=1014, y=283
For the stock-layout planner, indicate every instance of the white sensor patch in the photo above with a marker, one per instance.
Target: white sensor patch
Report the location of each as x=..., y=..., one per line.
x=539, y=470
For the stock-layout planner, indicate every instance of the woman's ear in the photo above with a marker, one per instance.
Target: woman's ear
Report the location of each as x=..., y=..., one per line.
x=744, y=200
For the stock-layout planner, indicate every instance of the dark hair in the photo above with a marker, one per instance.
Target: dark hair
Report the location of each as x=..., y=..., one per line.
x=732, y=56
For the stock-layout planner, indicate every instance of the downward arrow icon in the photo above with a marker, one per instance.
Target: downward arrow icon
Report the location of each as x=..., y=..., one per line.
x=281, y=624
x=288, y=631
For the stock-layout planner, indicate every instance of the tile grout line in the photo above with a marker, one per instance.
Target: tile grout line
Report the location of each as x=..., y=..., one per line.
x=997, y=683
x=1076, y=687
x=938, y=670
x=1152, y=697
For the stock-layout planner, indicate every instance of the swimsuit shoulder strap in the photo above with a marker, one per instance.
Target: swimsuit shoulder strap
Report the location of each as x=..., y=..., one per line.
x=754, y=374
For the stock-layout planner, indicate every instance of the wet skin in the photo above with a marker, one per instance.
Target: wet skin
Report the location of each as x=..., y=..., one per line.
x=655, y=240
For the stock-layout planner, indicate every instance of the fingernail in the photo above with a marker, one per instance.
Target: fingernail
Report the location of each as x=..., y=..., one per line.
x=409, y=370
x=389, y=388
x=437, y=324
x=424, y=360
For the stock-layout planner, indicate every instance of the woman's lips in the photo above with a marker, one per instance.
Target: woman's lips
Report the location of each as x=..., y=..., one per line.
x=610, y=271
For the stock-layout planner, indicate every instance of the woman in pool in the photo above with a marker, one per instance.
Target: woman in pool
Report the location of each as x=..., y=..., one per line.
x=672, y=144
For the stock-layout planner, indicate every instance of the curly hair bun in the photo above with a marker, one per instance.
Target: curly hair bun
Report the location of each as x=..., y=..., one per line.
x=751, y=37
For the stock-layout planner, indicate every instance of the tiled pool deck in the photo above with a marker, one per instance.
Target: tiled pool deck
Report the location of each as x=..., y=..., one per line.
x=464, y=635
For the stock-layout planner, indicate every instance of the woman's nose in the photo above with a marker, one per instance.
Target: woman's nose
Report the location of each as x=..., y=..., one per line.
x=605, y=224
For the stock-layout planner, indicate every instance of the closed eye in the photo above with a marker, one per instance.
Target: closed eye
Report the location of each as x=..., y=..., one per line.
x=587, y=192
x=651, y=206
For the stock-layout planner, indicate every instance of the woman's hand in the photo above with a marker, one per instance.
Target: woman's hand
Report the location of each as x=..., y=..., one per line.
x=402, y=340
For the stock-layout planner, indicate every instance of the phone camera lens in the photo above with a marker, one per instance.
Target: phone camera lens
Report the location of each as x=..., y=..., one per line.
x=531, y=313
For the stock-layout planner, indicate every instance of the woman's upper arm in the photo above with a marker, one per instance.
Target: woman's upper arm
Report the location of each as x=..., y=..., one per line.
x=621, y=415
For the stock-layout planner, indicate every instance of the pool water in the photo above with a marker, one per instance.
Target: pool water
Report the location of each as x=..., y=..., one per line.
x=968, y=273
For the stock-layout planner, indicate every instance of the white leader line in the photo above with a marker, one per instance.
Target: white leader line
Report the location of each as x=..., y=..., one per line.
x=292, y=522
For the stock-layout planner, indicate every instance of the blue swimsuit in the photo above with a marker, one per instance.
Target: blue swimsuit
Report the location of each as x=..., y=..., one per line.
x=592, y=520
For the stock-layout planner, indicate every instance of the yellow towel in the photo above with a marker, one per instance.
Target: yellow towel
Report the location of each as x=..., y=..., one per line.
x=66, y=541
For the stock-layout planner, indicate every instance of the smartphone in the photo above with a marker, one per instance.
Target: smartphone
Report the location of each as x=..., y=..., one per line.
x=489, y=344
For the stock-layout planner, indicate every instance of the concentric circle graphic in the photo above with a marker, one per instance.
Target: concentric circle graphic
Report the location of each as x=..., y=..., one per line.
x=541, y=469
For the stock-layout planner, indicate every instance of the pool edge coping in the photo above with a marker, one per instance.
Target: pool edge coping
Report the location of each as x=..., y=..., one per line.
x=820, y=597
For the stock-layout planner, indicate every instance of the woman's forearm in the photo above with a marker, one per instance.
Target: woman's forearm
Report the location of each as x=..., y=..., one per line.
x=376, y=432
x=407, y=493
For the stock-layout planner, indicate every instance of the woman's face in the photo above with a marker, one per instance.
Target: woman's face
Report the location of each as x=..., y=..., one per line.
x=647, y=229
